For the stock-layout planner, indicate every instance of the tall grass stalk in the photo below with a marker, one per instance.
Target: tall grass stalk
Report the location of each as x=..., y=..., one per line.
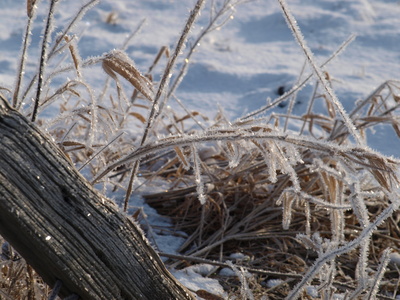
x=31, y=13
x=43, y=57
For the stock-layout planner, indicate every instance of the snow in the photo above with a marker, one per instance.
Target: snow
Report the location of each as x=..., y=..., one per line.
x=195, y=279
x=395, y=258
x=274, y=282
x=238, y=66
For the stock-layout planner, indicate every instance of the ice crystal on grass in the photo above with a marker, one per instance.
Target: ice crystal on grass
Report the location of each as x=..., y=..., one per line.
x=118, y=62
x=197, y=171
x=376, y=280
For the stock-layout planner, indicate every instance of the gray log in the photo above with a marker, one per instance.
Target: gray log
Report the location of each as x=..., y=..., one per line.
x=68, y=231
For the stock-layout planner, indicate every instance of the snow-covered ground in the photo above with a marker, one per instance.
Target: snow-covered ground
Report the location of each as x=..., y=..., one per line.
x=244, y=63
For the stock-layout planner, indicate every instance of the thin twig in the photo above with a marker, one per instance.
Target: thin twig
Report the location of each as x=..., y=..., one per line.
x=209, y=28
x=101, y=150
x=43, y=56
x=225, y=265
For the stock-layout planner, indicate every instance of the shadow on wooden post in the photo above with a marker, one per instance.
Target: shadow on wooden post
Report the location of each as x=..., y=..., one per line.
x=68, y=231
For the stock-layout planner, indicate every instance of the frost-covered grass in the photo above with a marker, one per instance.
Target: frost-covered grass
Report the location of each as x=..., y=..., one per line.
x=302, y=196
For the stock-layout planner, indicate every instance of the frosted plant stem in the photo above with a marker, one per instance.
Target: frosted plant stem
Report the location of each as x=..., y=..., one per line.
x=43, y=56
x=324, y=258
x=133, y=34
x=129, y=189
x=189, y=112
x=292, y=23
x=154, y=112
x=197, y=171
x=24, y=55
x=329, y=148
x=385, y=259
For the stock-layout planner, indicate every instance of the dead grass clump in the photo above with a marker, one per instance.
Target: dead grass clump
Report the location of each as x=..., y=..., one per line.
x=281, y=228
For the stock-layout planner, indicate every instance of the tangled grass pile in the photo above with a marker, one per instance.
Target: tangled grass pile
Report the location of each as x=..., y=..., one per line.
x=316, y=208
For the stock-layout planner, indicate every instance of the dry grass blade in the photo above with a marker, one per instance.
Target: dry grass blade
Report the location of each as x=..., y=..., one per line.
x=182, y=158
x=31, y=8
x=73, y=49
x=30, y=4
x=163, y=51
x=118, y=62
x=295, y=89
x=138, y=116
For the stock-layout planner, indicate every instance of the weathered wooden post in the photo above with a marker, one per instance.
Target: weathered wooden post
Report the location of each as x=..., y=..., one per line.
x=68, y=231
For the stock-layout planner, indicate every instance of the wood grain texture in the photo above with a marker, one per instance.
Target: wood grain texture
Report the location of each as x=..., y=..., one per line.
x=66, y=229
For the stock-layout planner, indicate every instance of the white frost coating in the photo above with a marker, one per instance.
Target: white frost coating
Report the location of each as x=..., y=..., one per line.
x=279, y=155
x=359, y=207
x=270, y=162
x=197, y=171
x=293, y=154
x=361, y=269
x=286, y=200
x=384, y=261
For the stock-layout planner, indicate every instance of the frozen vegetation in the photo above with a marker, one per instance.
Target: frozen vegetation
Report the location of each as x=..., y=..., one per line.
x=264, y=128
